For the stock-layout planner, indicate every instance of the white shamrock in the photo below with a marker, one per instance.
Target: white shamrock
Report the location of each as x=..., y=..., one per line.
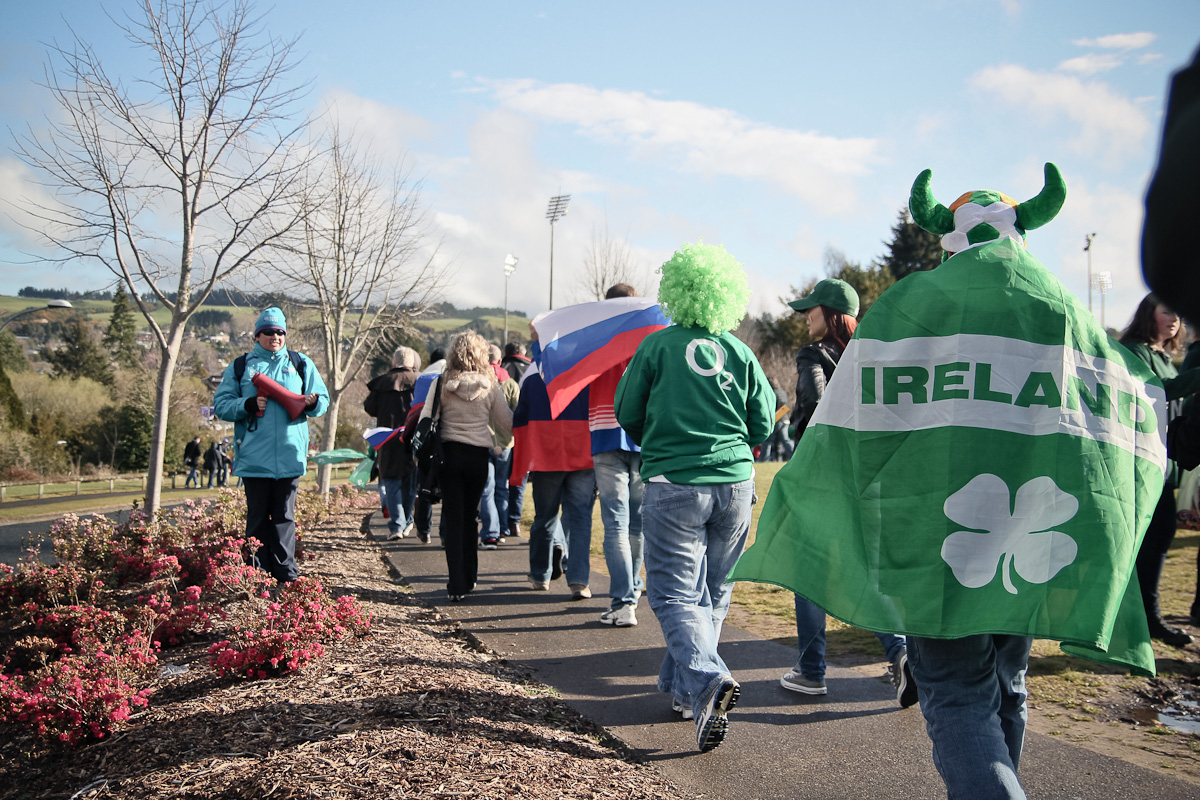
x=983, y=504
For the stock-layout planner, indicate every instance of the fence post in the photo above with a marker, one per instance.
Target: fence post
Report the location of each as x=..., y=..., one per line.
x=77, y=485
x=41, y=490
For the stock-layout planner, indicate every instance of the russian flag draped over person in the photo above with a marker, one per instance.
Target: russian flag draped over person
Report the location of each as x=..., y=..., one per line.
x=578, y=343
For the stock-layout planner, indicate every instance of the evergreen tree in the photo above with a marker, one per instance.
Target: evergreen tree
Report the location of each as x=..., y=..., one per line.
x=121, y=336
x=911, y=249
x=79, y=356
x=14, y=411
x=12, y=353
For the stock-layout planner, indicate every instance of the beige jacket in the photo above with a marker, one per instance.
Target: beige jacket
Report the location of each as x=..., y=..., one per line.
x=470, y=401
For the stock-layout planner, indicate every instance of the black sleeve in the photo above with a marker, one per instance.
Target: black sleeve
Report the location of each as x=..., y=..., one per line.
x=810, y=386
x=1183, y=438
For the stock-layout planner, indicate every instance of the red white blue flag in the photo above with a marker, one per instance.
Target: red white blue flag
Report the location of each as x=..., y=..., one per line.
x=580, y=342
x=378, y=437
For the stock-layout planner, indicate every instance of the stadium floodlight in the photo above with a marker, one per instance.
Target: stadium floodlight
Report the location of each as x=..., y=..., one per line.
x=554, y=212
x=510, y=266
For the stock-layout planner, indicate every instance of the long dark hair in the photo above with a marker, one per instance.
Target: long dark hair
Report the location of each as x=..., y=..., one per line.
x=1143, y=328
x=839, y=326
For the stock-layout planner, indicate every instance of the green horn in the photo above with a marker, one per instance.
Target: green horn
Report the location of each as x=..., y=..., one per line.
x=1036, y=212
x=926, y=211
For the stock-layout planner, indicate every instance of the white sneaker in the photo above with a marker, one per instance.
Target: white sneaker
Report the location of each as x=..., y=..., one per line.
x=682, y=708
x=623, y=617
x=538, y=586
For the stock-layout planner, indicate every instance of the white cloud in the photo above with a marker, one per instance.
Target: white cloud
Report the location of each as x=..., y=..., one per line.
x=1149, y=58
x=1091, y=63
x=1110, y=124
x=1012, y=8
x=701, y=139
x=1119, y=41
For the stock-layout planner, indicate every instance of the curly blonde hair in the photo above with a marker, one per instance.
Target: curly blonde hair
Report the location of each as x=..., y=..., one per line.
x=468, y=352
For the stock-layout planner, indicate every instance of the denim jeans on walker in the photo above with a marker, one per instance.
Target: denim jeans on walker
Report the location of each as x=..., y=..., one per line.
x=694, y=535
x=620, y=487
x=972, y=693
x=493, y=505
x=398, y=495
x=574, y=492
x=810, y=640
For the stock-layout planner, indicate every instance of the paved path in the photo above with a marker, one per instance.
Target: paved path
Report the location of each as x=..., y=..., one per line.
x=854, y=743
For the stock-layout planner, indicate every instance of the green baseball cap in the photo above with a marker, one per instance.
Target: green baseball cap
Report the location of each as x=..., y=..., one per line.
x=837, y=294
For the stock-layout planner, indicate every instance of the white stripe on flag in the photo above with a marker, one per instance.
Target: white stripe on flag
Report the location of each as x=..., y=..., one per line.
x=998, y=383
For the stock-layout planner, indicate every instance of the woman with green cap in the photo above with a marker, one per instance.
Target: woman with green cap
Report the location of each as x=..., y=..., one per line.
x=831, y=309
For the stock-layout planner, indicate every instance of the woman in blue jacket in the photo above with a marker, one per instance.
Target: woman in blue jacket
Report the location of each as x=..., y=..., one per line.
x=271, y=451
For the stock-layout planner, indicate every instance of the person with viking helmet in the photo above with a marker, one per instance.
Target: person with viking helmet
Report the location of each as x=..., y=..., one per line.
x=978, y=474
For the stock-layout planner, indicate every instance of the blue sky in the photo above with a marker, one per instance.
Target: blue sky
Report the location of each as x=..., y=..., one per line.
x=775, y=128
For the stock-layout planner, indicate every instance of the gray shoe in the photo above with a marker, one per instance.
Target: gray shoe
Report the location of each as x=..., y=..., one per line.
x=580, y=591
x=902, y=679
x=796, y=682
x=538, y=586
x=712, y=724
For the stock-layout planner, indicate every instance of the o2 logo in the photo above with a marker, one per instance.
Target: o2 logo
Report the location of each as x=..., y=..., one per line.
x=718, y=358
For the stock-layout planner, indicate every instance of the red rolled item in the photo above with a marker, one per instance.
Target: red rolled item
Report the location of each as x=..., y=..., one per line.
x=292, y=403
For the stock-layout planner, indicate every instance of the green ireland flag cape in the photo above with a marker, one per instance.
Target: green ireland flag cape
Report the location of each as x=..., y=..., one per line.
x=985, y=459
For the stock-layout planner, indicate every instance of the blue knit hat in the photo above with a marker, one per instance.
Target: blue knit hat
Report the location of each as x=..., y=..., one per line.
x=271, y=319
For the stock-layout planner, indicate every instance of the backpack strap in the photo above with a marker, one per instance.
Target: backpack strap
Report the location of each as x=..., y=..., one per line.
x=239, y=367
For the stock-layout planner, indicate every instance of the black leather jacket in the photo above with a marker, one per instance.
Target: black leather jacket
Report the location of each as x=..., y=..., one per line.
x=815, y=363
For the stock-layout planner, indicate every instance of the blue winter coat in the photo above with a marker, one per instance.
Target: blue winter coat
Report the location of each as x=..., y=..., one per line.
x=277, y=447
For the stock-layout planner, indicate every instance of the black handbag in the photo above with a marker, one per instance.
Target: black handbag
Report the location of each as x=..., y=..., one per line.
x=427, y=447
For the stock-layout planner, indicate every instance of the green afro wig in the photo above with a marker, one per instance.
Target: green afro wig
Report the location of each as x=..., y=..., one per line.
x=703, y=286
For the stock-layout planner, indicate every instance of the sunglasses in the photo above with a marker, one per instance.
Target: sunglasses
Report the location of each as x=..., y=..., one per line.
x=273, y=332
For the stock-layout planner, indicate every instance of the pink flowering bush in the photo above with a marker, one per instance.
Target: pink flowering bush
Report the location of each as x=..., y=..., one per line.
x=80, y=640
x=291, y=632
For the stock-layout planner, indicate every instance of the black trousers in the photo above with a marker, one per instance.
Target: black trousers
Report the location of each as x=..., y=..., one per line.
x=270, y=518
x=1152, y=556
x=462, y=478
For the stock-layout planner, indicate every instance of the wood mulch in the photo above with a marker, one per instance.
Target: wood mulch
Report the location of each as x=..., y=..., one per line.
x=417, y=709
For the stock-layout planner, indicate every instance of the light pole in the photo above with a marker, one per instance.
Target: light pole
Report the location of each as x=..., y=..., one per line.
x=556, y=211
x=1087, y=248
x=1103, y=283
x=510, y=266
x=51, y=304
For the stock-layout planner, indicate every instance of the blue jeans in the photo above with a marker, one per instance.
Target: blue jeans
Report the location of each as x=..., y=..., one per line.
x=574, y=492
x=972, y=693
x=620, y=486
x=516, y=499
x=493, y=505
x=810, y=636
x=399, y=494
x=694, y=535
x=191, y=478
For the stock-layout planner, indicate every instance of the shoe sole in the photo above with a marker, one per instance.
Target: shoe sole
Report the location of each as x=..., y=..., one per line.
x=906, y=689
x=617, y=622
x=716, y=727
x=791, y=687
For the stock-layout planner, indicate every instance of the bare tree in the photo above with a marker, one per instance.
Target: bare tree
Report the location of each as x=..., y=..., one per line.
x=362, y=261
x=177, y=180
x=608, y=261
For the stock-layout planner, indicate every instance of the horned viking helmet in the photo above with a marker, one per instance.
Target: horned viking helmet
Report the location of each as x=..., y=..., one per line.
x=977, y=218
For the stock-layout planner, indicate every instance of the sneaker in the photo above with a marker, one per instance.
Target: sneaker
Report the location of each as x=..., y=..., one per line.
x=457, y=598
x=624, y=617
x=423, y=537
x=796, y=682
x=394, y=535
x=682, y=708
x=580, y=591
x=538, y=586
x=488, y=544
x=407, y=530
x=514, y=529
x=556, y=571
x=902, y=679
x=712, y=724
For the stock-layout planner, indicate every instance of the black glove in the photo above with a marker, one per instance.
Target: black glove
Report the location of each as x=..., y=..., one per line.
x=251, y=406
